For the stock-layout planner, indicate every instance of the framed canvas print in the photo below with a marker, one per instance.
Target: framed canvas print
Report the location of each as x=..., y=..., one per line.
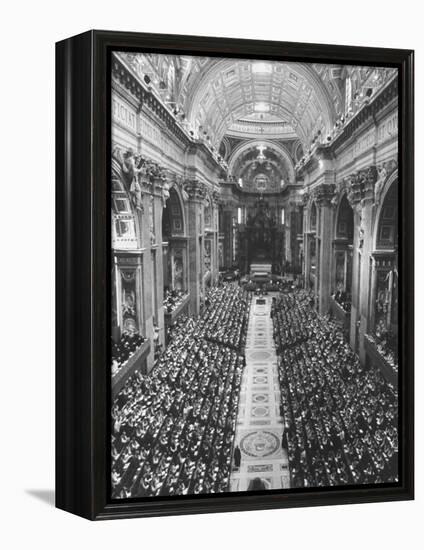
x=234, y=275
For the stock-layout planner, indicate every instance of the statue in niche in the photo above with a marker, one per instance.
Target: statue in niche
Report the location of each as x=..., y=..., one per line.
x=381, y=178
x=131, y=167
x=165, y=192
x=128, y=305
x=178, y=272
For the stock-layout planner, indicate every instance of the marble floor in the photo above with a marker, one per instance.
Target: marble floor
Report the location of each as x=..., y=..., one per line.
x=259, y=424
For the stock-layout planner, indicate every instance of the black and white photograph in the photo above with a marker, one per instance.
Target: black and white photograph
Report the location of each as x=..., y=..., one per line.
x=254, y=275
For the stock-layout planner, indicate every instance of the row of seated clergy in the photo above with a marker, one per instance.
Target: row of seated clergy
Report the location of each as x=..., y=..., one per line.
x=172, y=299
x=173, y=429
x=122, y=350
x=340, y=417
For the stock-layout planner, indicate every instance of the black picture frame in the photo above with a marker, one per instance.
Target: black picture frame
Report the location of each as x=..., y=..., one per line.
x=82, y=281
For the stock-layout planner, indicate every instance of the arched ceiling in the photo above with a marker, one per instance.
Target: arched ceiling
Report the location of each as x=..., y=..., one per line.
x=228, y=93
x=215, y=98
x=243, y=97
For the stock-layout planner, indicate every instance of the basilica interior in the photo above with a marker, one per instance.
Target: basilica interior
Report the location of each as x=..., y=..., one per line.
x=254, y=304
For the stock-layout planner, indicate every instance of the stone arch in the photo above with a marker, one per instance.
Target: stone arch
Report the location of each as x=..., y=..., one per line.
x=343, y=252
x=384, y=316
x=242, y=149
x=344, y=219
x=385, y=234
x=173, y=215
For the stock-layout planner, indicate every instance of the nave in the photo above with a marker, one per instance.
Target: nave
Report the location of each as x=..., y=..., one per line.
x=264, y=463
x=268, y=376
x=254, y=283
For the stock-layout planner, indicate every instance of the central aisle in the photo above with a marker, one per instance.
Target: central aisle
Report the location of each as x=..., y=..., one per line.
x=259, y=424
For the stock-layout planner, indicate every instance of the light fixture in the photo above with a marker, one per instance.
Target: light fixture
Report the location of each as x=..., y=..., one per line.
x=261, y=107
x=261, y=67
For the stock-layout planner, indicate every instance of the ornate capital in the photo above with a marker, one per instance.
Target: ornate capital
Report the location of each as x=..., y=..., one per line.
x=354, y=186
x=305, y=198
x=360, y=186
x=368, y=178
x=195, y=190
x=216, y=197
x=323, y=194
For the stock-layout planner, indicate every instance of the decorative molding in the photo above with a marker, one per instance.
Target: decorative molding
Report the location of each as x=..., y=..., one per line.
x=323, y=194
x=359, y=187
x=195, y=189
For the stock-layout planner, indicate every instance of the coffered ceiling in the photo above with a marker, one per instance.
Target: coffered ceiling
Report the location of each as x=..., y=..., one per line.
x=250, y=99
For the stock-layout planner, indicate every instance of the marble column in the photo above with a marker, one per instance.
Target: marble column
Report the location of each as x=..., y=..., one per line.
x=228, y=236
x=306, y=239
x=361, y=197
x=323, y=196
x=214, y=248
x=196, y=193
x=356, y=279
x=158, y=203
x=368, y=179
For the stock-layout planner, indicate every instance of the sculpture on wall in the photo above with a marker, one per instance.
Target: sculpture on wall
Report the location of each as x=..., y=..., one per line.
x=382, y=174
x=140, y=173
x=130, y=167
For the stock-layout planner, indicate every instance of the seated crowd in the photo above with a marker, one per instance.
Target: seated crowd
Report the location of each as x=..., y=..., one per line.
x=340, y=417
x=124, y=349
x=343, y=299
x=172, y=299
x=225, y=316
x=386, y=342
x=173, y=429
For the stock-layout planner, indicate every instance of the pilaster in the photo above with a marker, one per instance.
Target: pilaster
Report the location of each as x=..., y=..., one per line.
x=323, y=197
x=196, y=194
